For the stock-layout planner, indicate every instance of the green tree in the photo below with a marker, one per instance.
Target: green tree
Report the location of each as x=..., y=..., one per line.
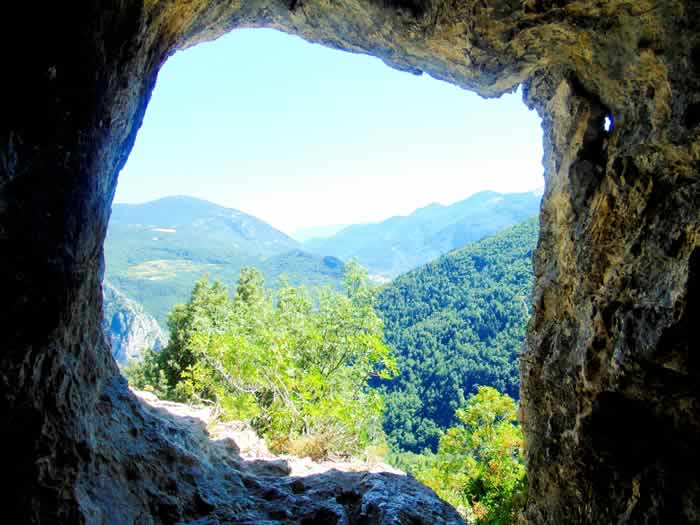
x=296, y=366
x=191, y=326
x=479, y=465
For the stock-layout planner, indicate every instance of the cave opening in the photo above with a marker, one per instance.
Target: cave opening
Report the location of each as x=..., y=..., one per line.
x=296, y=139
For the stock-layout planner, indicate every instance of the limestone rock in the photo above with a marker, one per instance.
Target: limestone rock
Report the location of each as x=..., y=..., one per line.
x=130, y=329
x=200, y=471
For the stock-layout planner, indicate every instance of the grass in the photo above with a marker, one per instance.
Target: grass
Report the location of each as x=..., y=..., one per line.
x=162, y=269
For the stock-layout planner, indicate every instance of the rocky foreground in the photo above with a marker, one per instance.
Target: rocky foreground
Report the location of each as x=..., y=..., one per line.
x=250, y=485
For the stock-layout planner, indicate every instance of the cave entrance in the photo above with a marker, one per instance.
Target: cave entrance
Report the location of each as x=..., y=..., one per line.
x=304, y=141
x=616, y=261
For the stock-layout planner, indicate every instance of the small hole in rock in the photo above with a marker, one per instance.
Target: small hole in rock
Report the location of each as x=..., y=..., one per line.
x=608, y=123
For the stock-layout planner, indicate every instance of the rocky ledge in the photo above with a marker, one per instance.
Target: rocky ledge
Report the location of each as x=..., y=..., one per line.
x=223, y=473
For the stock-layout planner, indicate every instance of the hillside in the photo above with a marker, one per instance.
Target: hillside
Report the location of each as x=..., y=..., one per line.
x=400, y=244
x=156, y=251
x=203, y=227
x=456, y=323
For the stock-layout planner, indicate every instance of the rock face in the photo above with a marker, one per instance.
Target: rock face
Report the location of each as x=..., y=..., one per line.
x=223, y=473
x=609, y=377
x=130, y=329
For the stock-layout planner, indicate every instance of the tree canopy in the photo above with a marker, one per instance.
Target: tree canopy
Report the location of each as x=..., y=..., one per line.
x=479, y=465
x=297, y=366
x=455, y=324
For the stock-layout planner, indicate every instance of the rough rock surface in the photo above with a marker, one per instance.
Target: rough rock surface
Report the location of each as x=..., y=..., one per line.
x=223, y=473
x=609, y=377
x=130, y=329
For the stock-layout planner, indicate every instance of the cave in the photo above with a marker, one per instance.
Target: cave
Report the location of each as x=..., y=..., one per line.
x=610, y=383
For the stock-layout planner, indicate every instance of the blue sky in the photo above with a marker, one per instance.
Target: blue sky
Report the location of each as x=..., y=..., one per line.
x=301, y=135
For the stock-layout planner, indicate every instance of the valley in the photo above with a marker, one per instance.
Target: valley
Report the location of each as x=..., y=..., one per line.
x=156, y=251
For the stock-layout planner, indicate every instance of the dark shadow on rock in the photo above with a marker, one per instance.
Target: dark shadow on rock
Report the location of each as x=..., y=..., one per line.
x=150, y=458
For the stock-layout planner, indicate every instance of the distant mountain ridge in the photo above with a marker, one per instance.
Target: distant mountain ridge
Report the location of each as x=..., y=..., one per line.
x=155, y=252
x=192, y=218
x=402, y=243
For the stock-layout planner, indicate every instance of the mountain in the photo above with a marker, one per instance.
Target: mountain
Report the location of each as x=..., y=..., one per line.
x=199, y=225
x=317, y=232
x=454, y=324
x=157, y=250
x=130, y=328
x=402, y=243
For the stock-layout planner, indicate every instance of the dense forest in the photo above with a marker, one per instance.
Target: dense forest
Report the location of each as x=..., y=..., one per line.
x=156, y=251
x=455, y=324
x=479, y=465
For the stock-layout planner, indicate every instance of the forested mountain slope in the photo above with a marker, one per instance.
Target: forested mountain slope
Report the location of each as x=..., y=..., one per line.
x=454, y=324
x=400, y=244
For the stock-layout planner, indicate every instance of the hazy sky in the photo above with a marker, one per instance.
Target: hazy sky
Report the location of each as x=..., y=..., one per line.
x=301, y=135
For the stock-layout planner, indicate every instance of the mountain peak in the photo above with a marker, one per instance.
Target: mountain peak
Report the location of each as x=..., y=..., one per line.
x=195, y=218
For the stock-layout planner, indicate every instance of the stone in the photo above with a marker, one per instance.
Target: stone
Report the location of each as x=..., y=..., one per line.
x=212, y=478
x=131, y=330
x=609, y=373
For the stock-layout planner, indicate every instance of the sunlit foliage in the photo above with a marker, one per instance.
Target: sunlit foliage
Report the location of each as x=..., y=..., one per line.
x=478, y=467
x=295, y=365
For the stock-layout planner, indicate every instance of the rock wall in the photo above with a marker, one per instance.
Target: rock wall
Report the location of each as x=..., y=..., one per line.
x=609, y=377
x=130, y=329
